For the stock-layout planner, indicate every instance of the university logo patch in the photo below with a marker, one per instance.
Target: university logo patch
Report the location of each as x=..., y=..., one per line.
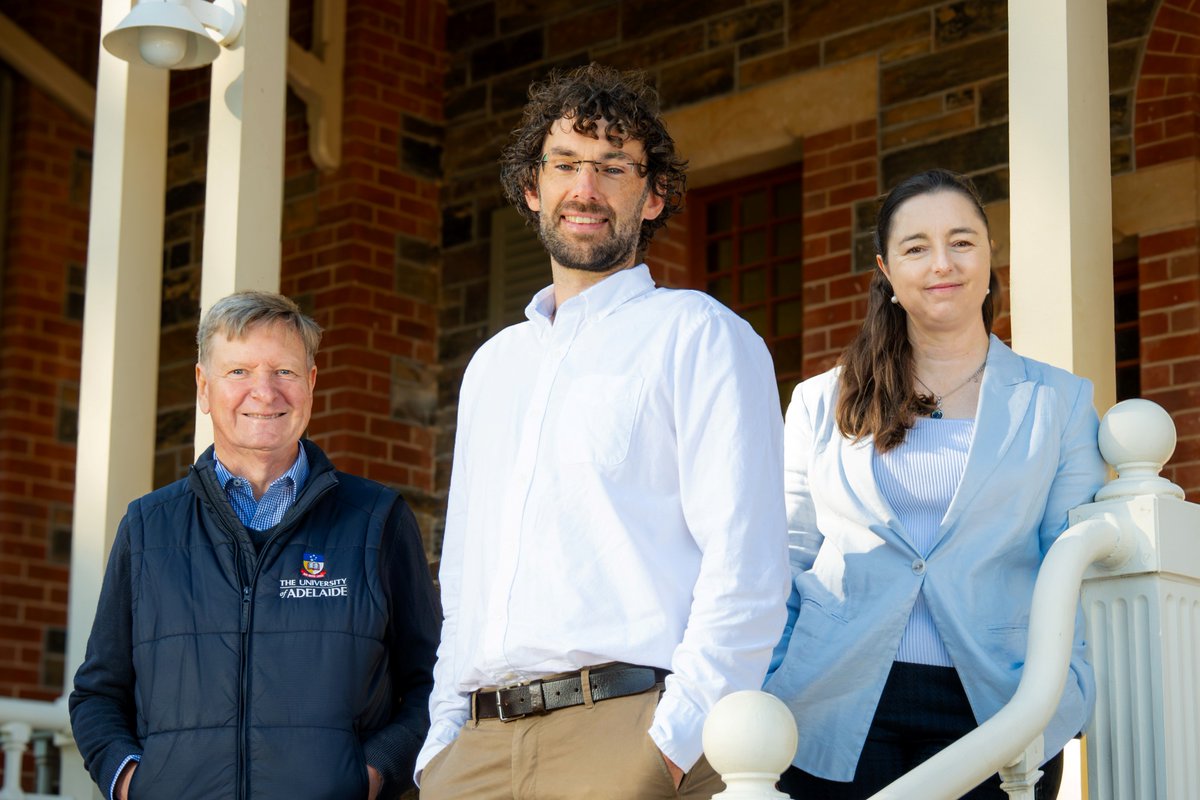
x=313, y=582
x=313, y=566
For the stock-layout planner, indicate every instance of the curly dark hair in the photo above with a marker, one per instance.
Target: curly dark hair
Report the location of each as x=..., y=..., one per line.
x=627, y=102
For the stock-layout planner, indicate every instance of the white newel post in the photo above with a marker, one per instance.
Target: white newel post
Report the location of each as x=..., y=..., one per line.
x=1144, y=620
x=749, y=739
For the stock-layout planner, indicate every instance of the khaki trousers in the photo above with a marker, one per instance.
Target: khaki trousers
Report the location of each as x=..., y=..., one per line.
x=597, y=752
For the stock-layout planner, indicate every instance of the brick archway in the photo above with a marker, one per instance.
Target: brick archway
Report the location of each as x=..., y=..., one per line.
x=1167, y=130
x=1167, y=111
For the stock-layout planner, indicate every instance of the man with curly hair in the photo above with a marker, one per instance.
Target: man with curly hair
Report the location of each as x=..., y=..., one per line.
x=615, y=554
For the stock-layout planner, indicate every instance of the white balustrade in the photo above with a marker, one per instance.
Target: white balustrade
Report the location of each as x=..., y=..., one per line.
x=44, y=725
x=1144, y=621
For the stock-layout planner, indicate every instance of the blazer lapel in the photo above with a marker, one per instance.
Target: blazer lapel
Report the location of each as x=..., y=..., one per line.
x=1004, y=400
x=859, y=473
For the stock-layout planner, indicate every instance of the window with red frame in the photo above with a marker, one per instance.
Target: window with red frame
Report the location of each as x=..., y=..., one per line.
x=749, y=242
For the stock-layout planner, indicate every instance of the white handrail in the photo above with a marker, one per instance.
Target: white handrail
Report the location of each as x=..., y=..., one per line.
x=40, y=714
x=1002, y=739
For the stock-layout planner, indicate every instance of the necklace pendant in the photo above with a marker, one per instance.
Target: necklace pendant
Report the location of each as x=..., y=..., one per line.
x=935, y=414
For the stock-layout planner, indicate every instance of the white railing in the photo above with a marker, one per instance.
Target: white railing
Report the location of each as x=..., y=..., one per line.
x=41, y=724
x=1134, y=556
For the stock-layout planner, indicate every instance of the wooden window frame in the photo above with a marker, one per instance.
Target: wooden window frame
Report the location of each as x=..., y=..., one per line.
x=702, y=201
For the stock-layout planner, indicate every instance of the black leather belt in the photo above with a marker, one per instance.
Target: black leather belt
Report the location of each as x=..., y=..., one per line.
x=543, y=696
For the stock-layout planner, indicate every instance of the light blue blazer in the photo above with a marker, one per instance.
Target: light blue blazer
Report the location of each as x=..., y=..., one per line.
x=856, y=573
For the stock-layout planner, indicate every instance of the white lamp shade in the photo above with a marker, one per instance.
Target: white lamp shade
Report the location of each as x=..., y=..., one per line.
x=151, y=33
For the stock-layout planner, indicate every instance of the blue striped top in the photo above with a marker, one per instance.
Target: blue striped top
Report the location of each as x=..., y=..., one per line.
x=919, y=479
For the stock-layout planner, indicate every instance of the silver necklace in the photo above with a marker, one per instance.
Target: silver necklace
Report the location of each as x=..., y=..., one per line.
x=938, y=398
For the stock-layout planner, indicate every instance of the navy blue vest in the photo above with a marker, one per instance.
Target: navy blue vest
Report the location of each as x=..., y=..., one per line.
x=258, y=675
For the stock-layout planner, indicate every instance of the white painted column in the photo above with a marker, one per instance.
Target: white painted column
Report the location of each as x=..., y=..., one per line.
x=1060, y=187
x=119, y=375
x=243, y=205
x=1144, y=621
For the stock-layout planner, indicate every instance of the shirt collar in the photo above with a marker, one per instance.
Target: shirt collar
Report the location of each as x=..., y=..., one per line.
x=297, y=473
x=597, y=301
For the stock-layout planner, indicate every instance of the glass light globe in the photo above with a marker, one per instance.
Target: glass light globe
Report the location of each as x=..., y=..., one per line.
x=162, y=47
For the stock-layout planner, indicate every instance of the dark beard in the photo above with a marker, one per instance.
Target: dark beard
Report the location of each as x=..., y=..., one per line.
x=603, y=255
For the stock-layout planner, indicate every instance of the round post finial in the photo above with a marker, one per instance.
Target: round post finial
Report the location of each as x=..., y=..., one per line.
x=1137, y=437
x=750, y=739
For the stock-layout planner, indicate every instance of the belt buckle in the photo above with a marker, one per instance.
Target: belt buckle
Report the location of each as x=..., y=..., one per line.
x=500, y=709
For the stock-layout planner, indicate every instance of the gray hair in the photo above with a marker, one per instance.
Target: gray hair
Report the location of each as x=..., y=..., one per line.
x=236, y=314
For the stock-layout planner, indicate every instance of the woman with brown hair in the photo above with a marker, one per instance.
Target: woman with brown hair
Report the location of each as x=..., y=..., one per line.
x=927, y=475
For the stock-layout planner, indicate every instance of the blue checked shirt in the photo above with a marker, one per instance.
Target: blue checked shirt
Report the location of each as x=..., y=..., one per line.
x=265, y=513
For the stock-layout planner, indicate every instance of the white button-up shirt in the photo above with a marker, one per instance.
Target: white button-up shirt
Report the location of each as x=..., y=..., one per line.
x=616, y=495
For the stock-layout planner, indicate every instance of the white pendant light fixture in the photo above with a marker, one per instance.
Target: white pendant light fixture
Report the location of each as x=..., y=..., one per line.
x=176, y=34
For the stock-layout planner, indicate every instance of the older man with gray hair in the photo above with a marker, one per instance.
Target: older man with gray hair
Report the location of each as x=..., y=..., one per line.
x=267, y=625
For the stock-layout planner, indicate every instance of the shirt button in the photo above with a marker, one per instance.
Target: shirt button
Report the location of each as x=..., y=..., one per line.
x=918, y=567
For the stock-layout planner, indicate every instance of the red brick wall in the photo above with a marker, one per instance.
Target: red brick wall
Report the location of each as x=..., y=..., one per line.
x=360, y=250
x=40, y=329
x=841, y=168
x=1168, y=94
x=1169, y=296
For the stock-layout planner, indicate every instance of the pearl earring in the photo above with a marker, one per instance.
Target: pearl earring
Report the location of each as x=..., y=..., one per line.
x=894, y=300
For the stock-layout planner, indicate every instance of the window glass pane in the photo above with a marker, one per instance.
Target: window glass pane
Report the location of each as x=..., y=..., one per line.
x=788, y=355
x=754, y=208
x=757, y=317
x=788, y=241
x=754, y=247
x=720, y=215
x=789, y=279
x=789, y=318
x=789, y=199
x=722, y=289
x=752, y=286
x=720, y=255
x=753, y=240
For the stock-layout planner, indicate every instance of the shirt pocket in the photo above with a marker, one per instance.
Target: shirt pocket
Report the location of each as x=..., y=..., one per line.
x=596, y=421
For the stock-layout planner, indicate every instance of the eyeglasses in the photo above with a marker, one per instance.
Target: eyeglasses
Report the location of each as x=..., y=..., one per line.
x=614, y=170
